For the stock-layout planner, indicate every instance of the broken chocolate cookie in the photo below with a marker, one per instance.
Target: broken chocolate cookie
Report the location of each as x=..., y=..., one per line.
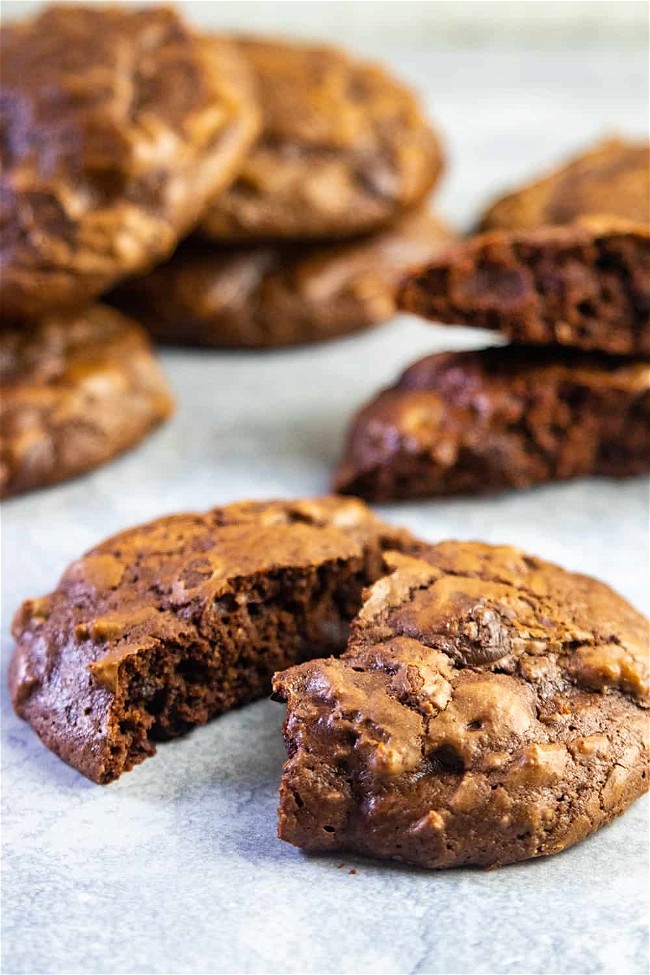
x=586, y=286
x=489, y=708
x=164, y=626
x=504, y=417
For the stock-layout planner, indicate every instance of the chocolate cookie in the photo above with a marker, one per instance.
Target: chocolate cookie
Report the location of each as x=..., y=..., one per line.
x=162, y=627
x=586, y=286
x=475, y=422
x=76, y=391
x=611, y=178
x=488, y=709
x=344, y=149
x=118, y=126
x=277, y=295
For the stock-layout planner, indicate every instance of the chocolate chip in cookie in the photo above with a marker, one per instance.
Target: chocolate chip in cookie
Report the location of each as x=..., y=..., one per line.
x=489, y=708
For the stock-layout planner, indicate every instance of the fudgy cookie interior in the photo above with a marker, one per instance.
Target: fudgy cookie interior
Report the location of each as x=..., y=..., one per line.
x=166, y=625
x=269, y=623
x=584, y=286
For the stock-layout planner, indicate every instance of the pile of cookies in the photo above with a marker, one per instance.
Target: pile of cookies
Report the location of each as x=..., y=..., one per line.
x=448, y=704
x=296, y=173
x=562, y=269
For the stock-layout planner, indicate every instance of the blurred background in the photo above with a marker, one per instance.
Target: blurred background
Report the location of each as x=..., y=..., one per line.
x=552, y=75
x=445, y=22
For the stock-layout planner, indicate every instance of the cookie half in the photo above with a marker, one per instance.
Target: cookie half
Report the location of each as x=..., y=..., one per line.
x=162, y=627
x=586, y=286
x=489, y=708
x=119, y=126
x=278, y=295
x=506, y=417
x=76, y=391
x=344, y=150
x=609, y=179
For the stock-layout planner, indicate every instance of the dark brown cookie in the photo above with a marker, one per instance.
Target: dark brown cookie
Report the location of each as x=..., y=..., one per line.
x=586, y=286
x=511, y=417
x=344, y=149
x=610, y=179
x=165, y=626
x=277, y=295
x=76, y=391
x=488, y=709
x=118, y=126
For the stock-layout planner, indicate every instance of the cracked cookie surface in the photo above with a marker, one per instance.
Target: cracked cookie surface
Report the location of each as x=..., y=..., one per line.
x=168, y=624
x=505, y=417
x=76, y=391
x=344, y=149
x=118, y=126
x=490, y=708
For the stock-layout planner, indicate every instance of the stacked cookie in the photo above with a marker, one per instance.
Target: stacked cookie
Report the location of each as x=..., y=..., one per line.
x=119, y=126
x=326, y=213
x=298, y=171
x=562, y=270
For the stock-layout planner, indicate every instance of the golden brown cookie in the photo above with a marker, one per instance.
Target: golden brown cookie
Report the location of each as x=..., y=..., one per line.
x=277, y=295
x=586, y=285
x=490, y=708
x=164, y=626
x=611, y=179
x=76, y=391
x=118, y=126
x=344, y=149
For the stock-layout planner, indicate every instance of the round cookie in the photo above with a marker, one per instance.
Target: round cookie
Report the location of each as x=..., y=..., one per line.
x=344, y=149
x=278, y=295
x=609, y=179
x=490, y=708
x=75, y=392
x=118, y=126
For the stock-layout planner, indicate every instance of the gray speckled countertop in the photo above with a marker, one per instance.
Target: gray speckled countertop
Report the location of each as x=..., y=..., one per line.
x=175, y=868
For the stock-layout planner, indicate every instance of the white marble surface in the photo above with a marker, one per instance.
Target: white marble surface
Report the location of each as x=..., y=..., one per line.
x=176, y=868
